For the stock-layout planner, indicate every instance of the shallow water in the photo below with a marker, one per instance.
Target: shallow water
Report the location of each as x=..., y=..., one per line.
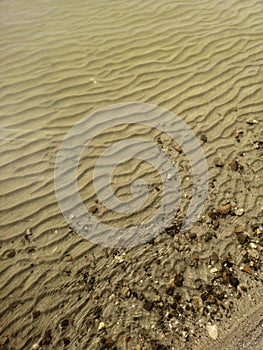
x=61, y=61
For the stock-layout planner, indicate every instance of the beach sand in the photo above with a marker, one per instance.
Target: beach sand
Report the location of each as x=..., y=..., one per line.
x=61, y=61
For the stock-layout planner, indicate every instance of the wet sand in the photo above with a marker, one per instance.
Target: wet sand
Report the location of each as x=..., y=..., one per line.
x=61, y=61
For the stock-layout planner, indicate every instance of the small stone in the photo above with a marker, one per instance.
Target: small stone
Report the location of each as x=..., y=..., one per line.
x=94, y=209
x=225, y=209
x=247, y=269
x=215, y=224
x=218, y=162
x=233, y=281
x=35, y=313
x=251, y=121
x=171, y=282
x=239, y=211
x=178, y=280
x=138, y=347
x=101, y=326
x=234, y=165
x=203, y=137
x=242, y=238
x=178, y=148
x=212, y=213
x=148, y=305
x=212, y=331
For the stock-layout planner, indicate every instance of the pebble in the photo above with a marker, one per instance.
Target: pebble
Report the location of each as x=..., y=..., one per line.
x=212, y=331
x=101, y=326
x=239, y=211
x=234, y=165
x=247, y=269
x=94, y=209
x=241, y=237
x=203, y=137
x=251, y=121
x=178, y=280
x=225, y=209
x=148, y=305
x=35, y=313
x=218, y=162
x=178, y=148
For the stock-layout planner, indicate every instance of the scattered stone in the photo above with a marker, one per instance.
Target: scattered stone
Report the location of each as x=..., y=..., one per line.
x=218, y=162
x=178, y=148
x=35, y=313
x=203, y=137
x=242, y=237
x=171, y=282
x=212, y=214
x=101, y=326
x=238, y=229
x=215, y=224
x=234, y=165
x=94, y=209
x=148, y=305
x=233, y=281
x=247, y=269
x=239, y=211
x=178, y=280
x=225, y=209
x=251, y=121
x=212, y=331
x=138, y=347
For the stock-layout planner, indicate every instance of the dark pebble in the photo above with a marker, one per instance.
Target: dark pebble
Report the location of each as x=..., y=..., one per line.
x=35, y=313
x=178, y=280
x=148, y=305
x=94, y=209
x=203, y=137
x=242, y=238
x=218, y=162
x=170, y=290
x=64, y=323
x=234, y=165
x=66, y=341
x=233, y=281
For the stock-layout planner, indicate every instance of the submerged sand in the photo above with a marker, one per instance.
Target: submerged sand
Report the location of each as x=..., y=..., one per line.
x=63, y=60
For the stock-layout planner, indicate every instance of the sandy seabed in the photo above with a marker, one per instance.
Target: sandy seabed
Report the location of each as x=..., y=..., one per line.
x=63, y=60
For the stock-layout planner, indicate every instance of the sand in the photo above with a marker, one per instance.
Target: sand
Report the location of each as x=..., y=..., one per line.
x=61, y=61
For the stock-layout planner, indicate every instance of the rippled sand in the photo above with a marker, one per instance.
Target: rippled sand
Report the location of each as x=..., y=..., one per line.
x=61, y=61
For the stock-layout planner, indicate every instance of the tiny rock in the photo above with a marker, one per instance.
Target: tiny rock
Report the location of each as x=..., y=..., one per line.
x=212, y=331
x=101, y=326
x=247, y=269
x=218, y=162
x=225, y=209
x=94, y=209
x=251, y=121
x=239, y=211
x=203, y=137
x=234, y=165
